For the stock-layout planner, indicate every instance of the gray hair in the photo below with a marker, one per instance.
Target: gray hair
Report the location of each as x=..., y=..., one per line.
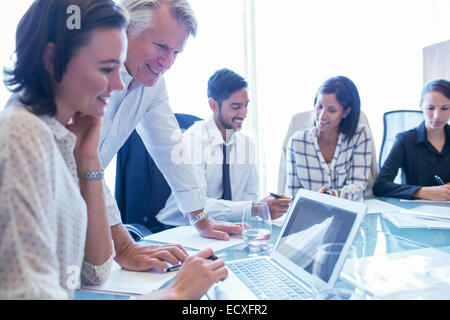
x=140, y=13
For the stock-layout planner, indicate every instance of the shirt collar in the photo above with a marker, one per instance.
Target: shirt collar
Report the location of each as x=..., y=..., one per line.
x=128, y=81
x=315, y=133
x=447, y=132
x=60, y=132
x=214, y=132
x=421, y=133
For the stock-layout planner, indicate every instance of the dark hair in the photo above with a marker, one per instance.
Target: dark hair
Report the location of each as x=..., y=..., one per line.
x=223, y=83
x=348, y=96
x=439, y=85
x=46, y=21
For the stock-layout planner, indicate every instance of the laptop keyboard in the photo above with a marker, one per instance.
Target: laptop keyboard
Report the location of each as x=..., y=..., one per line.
x=266, y=281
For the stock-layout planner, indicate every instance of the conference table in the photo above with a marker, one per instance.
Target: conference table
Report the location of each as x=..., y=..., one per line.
x=400, y=262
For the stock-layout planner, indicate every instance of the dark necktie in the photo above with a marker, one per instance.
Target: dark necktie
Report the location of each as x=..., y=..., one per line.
x=226, y=173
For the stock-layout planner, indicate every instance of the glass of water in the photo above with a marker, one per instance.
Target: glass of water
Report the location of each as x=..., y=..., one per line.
x=257, y=227
x=323, y=266
x=352, y=192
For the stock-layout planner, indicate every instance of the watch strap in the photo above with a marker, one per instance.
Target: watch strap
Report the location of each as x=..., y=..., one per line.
x=195, y=219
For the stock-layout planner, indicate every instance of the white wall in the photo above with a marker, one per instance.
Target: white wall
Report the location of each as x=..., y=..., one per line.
x=298, y=45
x=378, y=44
x=219, y=43
x=10, y=14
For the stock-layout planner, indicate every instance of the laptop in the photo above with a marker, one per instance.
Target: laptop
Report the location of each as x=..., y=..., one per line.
x=312, y=219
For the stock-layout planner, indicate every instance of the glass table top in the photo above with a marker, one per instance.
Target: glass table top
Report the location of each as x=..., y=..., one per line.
x=377, y=237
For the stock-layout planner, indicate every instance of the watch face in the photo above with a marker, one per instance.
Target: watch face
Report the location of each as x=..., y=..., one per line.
x=198, y=217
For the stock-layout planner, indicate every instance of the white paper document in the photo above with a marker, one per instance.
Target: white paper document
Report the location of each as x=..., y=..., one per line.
x=132, y=282
x=412, y=274
x=378, y=206
x=438, y=213
x=189, y=237
x=425, y=201
x=408, y=220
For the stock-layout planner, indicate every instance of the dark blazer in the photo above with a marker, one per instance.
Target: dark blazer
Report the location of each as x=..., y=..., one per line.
x=419, y=162
x=141, y=189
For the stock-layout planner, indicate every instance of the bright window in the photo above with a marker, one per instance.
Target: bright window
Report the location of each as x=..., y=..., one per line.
x=286, y=49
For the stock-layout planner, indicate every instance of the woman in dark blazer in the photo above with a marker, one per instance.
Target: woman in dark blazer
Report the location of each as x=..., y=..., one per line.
x=422, y=153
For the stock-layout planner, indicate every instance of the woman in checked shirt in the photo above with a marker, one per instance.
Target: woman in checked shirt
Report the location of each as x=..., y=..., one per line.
x=336, y=152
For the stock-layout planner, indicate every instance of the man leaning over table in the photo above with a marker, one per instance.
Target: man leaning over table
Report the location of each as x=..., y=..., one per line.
x=157, y=33
x=206, y=145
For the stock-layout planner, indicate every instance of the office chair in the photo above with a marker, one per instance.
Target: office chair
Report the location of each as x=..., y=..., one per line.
x=395, y=122
x=141, y=190
x=305, y=120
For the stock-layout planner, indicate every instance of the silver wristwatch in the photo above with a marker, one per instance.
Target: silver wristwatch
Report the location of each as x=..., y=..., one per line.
x=198, y=217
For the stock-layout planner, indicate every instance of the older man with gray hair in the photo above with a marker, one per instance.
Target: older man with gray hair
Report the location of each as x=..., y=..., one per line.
x=157, y=33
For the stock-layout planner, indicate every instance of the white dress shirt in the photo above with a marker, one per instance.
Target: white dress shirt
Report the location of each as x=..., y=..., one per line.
x=43, y=217
x=202, y=146
x=147, y=109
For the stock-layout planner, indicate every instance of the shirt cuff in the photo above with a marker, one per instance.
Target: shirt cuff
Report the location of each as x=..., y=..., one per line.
x=227, y=210
x=189, y=201
x=238, y=208
x=96, y=275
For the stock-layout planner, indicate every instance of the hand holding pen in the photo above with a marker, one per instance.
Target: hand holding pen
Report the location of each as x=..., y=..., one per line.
x=439, y=180
x=434, y=193
x=278, y=206
x=179, y=265
x=196, y=276
x=331, y=192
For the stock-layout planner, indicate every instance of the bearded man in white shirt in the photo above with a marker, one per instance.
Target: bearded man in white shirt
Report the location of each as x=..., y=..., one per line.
x=158, y=32
x=206, y=142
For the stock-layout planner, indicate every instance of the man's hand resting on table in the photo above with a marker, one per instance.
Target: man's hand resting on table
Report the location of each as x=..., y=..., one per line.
x=216, y=229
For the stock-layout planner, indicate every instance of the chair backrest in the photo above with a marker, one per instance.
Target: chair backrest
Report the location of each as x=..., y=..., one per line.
x=141, y=190
x=395, y=122
x=305, y=120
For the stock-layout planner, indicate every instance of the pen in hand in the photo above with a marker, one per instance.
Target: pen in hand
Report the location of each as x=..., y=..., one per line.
x=276, y=196
x=178, y=266
x=439, y=180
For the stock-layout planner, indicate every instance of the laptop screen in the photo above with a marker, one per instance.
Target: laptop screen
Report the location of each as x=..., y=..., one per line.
x=311, y=224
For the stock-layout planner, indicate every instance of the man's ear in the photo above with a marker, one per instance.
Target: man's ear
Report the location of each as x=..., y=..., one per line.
x=129, y=32
x=213, y=105
x=48, y=58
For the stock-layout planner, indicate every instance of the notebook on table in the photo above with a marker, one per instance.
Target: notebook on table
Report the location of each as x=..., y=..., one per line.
x=312, y=219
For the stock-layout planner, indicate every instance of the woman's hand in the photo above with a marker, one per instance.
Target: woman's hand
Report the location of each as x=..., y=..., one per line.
x=195, y=277
x=438, y=193
x=331, y=192
x=87, y=130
